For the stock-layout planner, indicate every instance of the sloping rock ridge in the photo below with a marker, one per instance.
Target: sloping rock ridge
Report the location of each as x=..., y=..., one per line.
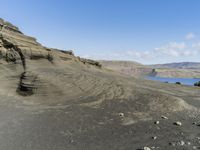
x=17, y=48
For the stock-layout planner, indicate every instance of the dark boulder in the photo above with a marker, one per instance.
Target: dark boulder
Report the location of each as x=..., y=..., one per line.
x=197, y=84
x=179, y=83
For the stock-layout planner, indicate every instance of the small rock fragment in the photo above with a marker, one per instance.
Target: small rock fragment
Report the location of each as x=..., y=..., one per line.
x=154, y=137
x=121, y=114
x=172, y=143
x=181, y=143
x=178, y=123
x=146, y=148
x=188, y=143
x=156, y=122
x=164, y=117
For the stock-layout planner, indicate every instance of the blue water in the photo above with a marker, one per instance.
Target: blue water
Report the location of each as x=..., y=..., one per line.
x=184, y=81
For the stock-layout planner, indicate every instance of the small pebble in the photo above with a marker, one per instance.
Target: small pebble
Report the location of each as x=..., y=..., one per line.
x=154, y=137
x=164, y=117
x=146, y=148
x=178, y=123
x=188, y=143
x=172, y=143
x=156, y=122
x=121, y=114
x=181, y=143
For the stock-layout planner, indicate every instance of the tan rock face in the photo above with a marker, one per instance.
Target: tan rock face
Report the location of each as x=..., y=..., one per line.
x=17, y=48
x=14, y=45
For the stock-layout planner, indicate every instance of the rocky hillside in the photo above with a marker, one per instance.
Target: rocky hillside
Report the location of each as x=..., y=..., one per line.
x=53, y=100
x=19, y=49
x=130, y=68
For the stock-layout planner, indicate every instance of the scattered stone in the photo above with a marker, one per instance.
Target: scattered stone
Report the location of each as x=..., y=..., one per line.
x=156, y=122
x=146, y=148
x=121, y=114
x=154, y=137
x=178, y=123
x=164, y=117
x=181, y=143
x=194, y=123
x=172, y=143
x=179, y=83
x=188, y=143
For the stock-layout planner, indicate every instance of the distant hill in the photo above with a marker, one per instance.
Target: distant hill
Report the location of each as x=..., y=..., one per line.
x=175, y=73
x=131, y=68
x=127, y=67
x=179, y=65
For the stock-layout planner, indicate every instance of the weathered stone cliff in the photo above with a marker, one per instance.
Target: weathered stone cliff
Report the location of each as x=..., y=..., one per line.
x=17, y=48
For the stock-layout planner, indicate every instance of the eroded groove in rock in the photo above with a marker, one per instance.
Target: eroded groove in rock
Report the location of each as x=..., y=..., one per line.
x=28, y=84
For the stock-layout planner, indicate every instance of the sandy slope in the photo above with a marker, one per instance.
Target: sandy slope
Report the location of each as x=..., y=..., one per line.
x=69, y=103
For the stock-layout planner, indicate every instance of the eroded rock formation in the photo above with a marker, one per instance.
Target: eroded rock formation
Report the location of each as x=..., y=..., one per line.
x=17, y=48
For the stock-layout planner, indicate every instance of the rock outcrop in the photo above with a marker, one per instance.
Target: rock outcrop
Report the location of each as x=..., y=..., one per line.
x=91, y=62
x=17, y=48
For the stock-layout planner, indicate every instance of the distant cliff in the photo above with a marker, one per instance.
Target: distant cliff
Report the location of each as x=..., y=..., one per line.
x=179, y=65
x=130, y=68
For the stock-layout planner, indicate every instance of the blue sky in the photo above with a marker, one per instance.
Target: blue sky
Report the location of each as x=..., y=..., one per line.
x=147, y=31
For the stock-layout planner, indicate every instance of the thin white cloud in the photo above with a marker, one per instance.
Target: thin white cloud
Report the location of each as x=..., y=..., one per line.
x=171, y=52
x=196, y=45
x=190, y=36
x=173, y=49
